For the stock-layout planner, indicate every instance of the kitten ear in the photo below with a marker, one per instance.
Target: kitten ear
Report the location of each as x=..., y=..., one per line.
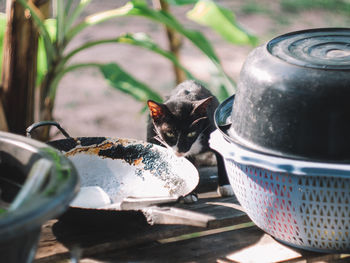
x=200, y=106
x=156, y=109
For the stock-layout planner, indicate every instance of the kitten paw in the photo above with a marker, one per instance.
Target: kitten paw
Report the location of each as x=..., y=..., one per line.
x=225, y=190
x=189, y=199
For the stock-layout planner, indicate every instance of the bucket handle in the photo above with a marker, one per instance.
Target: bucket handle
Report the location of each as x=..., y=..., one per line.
x=32, y=127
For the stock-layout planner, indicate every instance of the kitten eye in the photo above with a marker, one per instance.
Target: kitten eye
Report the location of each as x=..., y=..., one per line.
x=170, y=134
x=191, y=134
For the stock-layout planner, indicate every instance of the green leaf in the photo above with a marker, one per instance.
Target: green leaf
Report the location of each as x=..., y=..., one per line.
x=143, y=40
x=50, y=25
x=140, y=8
x=59, y=8
x=51, y=28
x=137, y=39
x=41, y=62
x=98, y=18
x=196, y=37
x=221, y=20
x=2, y=34
x=75, y=14
x=218, y=84
x=68, y=7
x=181, y=2
x=119, y=79
x=58, y=76
x=116, y=78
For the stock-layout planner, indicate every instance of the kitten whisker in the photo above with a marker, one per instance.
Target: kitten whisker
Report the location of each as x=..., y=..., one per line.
x=162, y=142
x=159, y=138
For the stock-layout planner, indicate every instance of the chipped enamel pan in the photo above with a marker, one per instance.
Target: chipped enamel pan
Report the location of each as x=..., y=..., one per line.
x=124, y=167
x=135, y=175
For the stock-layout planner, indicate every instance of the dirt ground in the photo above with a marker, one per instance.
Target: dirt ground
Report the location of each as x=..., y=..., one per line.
x=87, y=106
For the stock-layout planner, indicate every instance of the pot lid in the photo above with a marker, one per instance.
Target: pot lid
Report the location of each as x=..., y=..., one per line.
x=327, y=48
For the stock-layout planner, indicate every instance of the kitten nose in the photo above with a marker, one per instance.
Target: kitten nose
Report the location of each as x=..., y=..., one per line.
x=178, y=154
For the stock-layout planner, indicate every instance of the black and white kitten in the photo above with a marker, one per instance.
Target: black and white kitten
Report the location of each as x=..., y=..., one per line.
x=184, y=123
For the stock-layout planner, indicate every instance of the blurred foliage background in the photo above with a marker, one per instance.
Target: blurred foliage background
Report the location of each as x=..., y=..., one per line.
x=85, y=104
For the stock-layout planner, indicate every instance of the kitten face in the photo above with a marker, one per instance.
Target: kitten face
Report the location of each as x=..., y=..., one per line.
x=179, y=125
x=181, y=137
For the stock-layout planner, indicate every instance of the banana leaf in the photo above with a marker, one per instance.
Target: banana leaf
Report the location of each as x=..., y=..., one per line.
x=121, y=80
x=221, y=20
x=181, y=2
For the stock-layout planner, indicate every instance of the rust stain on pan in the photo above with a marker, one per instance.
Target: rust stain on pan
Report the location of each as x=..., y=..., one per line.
x=138, y=161
x=131, y=153
x=90, y=149
x=137, y=154
x=122, y=149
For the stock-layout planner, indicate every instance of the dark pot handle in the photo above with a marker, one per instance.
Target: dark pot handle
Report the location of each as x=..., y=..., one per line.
x=32, y=127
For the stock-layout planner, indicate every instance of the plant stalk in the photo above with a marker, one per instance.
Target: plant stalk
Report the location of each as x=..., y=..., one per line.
x=174, y=40
x=19, y=66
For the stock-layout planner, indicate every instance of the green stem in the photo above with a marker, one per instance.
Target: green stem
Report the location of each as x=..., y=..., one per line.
x=58, y=77
x=60, y=21
x=175, y=42
x=228, y=81
x=86, y=46
x=76, y=12
x=127, y=39
x=67, y=8
x=98, y=18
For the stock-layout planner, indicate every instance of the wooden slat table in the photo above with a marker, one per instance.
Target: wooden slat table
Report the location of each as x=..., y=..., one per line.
x=230, y=237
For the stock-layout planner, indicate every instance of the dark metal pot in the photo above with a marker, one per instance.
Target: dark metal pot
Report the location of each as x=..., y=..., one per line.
x=36, y=184
x=293, y=97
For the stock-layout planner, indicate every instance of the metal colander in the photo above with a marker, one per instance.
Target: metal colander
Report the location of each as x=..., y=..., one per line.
x=303, y=204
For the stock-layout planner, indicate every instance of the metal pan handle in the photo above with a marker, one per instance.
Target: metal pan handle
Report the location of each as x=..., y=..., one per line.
x=134, y=203
x=32, y=127
x=173, y=215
